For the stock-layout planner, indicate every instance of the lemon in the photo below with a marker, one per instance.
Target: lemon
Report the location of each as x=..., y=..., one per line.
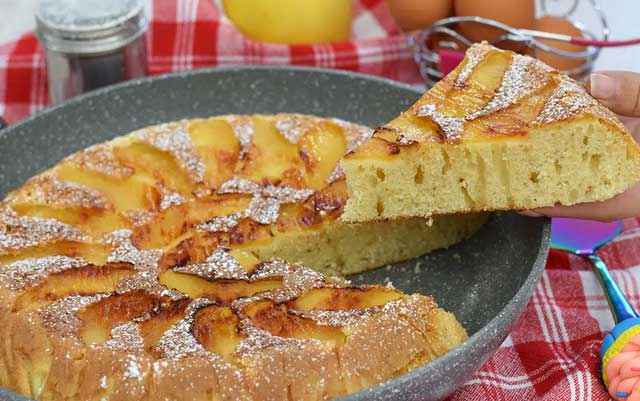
x=291, y=21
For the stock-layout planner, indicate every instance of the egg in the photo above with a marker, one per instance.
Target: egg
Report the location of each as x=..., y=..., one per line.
x=418, y=14
x=515, y=13
x=565, y=27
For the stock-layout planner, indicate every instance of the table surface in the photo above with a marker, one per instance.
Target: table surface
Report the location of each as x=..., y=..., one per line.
x=620, y=15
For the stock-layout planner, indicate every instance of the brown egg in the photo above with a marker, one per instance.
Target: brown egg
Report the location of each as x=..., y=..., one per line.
x=417, y=14
x=562, y=26
x=515, y=13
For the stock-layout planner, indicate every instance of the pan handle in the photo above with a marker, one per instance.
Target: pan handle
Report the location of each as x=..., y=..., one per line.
x=3, y=123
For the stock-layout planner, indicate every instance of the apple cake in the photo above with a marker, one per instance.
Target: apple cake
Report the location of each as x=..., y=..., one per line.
x=167, y=265
x=501, y=131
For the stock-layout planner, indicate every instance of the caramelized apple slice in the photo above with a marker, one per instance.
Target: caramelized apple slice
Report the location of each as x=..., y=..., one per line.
x=218, y=146
x=156, y=163
x=269, y=155
x=138, y=185
x=87, y=280
x=93, y=224
x=93, y=253
x=222, y=292
x=344, y=298
x=152, y=330
x=99, y=318
x=320, y=149
x=281, y=323
x=216, y=328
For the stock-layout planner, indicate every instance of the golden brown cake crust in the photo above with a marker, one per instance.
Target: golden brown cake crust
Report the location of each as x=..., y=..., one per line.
x=142, y=269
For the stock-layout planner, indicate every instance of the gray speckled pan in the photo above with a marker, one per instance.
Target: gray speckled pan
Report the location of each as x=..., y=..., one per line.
x=485, y=281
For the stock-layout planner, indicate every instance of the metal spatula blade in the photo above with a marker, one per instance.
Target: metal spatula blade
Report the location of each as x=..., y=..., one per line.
x=584, y=237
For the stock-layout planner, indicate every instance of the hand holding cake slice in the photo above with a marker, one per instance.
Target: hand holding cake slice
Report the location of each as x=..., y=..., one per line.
x=502, y=131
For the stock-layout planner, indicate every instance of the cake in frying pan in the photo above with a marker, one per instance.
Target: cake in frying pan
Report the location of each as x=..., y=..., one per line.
x=168, y=264
x=502, y=131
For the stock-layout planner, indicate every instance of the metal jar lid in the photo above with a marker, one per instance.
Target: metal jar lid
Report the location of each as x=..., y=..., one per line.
x=89, y=26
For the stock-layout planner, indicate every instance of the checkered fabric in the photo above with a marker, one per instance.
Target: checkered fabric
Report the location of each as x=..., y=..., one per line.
x=552, y=352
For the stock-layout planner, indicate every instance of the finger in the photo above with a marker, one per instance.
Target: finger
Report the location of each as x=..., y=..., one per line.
x=530, y=213
x=626, y=387
x=633, y=125
x=618, y=90
x=622, y=206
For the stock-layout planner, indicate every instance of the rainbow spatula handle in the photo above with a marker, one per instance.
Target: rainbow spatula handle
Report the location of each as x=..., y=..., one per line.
x=620, y=351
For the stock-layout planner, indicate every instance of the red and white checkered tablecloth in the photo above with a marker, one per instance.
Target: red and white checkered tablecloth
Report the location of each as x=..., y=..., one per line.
x=552, y=352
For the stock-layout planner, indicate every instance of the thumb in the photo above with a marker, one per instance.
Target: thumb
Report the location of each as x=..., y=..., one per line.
x=618, y=90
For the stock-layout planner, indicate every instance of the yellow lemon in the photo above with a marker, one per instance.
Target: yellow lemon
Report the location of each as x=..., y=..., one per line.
x=291, y=21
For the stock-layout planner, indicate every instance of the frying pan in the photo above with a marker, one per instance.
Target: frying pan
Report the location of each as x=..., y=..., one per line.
x=486, y=281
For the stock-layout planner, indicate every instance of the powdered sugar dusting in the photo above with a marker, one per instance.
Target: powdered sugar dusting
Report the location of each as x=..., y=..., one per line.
x=257, y=339
x=171, y=199
x=238, y=185
x=523, y=77
x=179, y=342
x=264, y=207
x=243, y=130
x=31, y=272
x=263, y=210
x=145, y=262
x=298, y=281
x=355, y=134
x=272, y=268
x=566, y=101
x=48, y=189
x=336, y=174
x=126, y=337
x=174, y=138
x=474, y=56
x=285, y=194
x=125, y=252
x=102, y=160
x=18, y=232
x=61, y=315
x=342, y=318
x=219, y=265
x=570, y=99
x=138, y=218
x=222, y=224
x=133, y=369
x=338, y=318
x=451, y=126
x=293, y=126
x=295, y=279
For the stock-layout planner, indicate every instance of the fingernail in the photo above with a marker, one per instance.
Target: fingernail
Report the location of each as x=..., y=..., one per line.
x=603, y=86
x=530, y=213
